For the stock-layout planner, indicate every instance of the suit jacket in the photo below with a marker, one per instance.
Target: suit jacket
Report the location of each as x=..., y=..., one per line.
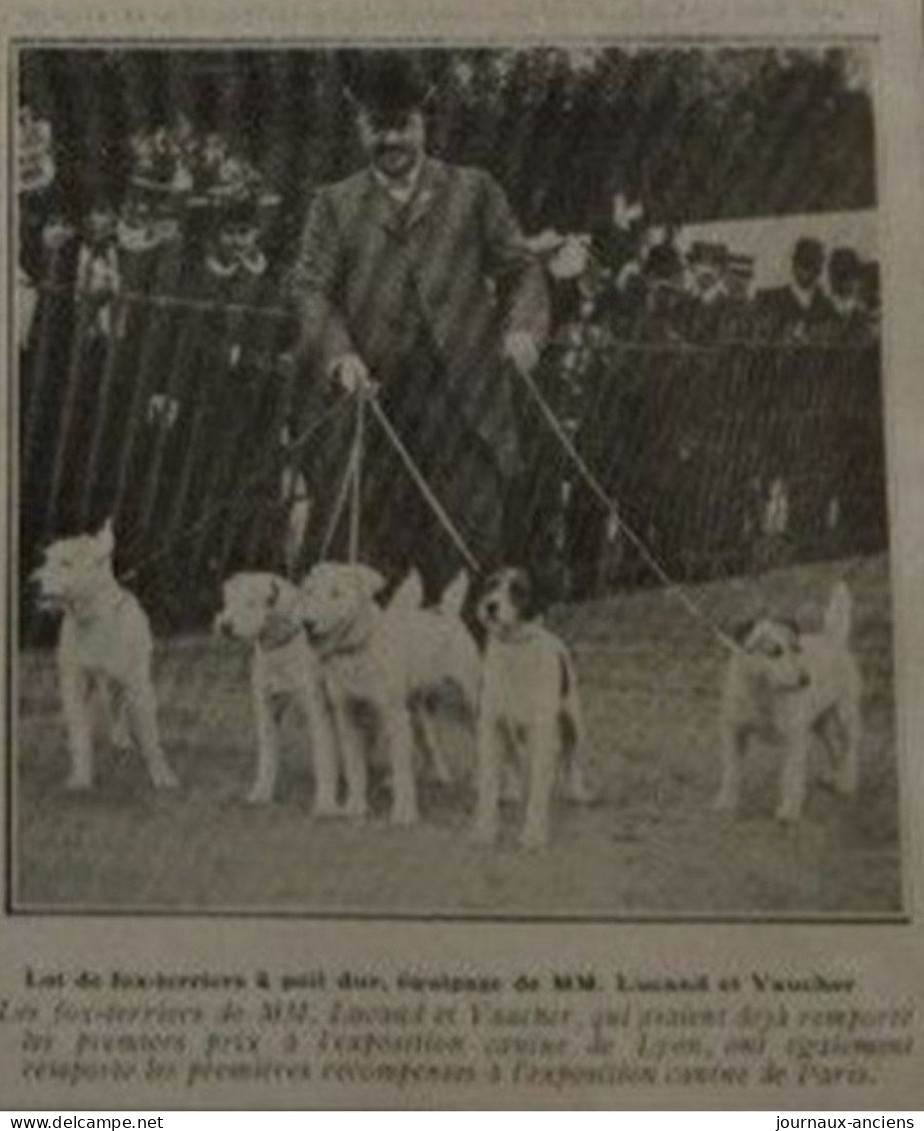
x=457, y=234
x=780, y=316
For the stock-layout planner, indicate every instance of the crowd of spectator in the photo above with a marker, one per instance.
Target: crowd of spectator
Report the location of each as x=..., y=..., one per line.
x=627, y=281
x=633, y=282
x=152, y=318
x=149, y=321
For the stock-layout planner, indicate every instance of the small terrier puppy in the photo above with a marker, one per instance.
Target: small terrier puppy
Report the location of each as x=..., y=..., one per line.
x=391, y=662
x=783, y=686
x=264, y=610
x=529, y=708
x=105, y=646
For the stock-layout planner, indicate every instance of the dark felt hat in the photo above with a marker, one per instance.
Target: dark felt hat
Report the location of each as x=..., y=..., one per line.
x=809, y=252
x=387, y=84
x=843, y=263
x=664, y=264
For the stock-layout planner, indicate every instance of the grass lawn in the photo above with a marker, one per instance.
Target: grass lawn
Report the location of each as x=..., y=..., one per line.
x=650, y=678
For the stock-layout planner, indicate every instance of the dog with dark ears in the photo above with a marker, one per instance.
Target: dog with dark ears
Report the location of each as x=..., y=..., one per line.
x=786, y=686
x=529, y=709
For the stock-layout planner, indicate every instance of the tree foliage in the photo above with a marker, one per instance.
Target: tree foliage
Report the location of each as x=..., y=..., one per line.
x=696, y=133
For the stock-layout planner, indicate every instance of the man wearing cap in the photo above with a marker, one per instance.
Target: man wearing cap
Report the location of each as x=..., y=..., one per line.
x=413, y=275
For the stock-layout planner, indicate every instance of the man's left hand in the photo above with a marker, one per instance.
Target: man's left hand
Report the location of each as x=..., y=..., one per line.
x=520, y=347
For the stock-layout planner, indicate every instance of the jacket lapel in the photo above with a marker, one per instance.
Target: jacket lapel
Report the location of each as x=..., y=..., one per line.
x=379, y=208
x=433, y=178
x=376, y=207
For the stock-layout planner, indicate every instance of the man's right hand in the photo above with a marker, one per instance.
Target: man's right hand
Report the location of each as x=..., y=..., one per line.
x=350, y=372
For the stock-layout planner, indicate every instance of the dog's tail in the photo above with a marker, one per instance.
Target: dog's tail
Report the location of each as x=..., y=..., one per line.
x=455, y=595
x=409, y=594
x=838, y=614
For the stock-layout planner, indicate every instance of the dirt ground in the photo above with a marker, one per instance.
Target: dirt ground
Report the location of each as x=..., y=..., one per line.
x=650, y=677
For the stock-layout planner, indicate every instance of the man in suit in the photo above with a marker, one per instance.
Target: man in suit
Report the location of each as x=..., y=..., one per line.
x=413, y=276
x=800, y=311
x=850, y=322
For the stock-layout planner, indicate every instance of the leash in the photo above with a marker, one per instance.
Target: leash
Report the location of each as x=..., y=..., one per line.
x=343, y=492
x=228, y=505
x=422, y=485
x=672, y=587
x=357, y=474
x=351, y=485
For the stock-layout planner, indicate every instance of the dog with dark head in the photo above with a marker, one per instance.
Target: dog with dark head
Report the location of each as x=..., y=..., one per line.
x=509, y=603
x=530, y=708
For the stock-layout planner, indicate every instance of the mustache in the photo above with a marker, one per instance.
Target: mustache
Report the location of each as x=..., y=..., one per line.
x=386, y=147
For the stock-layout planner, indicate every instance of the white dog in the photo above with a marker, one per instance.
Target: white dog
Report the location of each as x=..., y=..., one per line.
x=390, y=661
x=105, y=645
x=529, y=708
x=264, y=610
x=783, y=686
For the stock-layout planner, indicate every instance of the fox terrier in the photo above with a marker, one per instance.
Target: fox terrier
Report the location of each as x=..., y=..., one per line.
x=394, y=661
x=264, y=610
x=529, y=708
x=783, y=685
x=105, y=645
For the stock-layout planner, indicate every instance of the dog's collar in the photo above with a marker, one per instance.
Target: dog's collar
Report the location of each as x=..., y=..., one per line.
x=84, y=608
x=274, y=637
x=524, y=633
x=778, y=688
x=351, y=637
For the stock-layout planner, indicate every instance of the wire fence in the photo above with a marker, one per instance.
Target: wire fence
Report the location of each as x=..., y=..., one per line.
x=172, y=416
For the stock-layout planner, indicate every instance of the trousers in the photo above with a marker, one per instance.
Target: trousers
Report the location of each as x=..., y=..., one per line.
x=399, y=530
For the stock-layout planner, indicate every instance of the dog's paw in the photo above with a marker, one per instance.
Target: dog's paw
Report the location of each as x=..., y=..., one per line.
x=354, y=810
x=511, y=792
x=581, y=794
x=846, y=783
x=121, y=741
x=78, y=784
x=724, y=803
x=483, y=833
x=826, y=777
x=440, y=774
x=258, y=797
x=326, y=809
x=787, y=816
x=533, y=840
x=166, y=779
x=404, y=816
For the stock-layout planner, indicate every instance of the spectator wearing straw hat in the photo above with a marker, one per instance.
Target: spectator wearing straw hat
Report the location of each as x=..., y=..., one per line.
x=413, y=273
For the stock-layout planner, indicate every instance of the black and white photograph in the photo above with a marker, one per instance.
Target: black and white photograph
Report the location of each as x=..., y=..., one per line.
x=450, y=482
